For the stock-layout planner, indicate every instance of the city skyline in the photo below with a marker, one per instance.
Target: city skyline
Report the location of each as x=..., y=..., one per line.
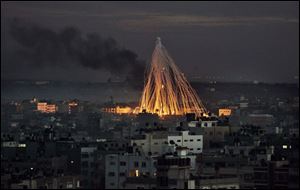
x=149, y=95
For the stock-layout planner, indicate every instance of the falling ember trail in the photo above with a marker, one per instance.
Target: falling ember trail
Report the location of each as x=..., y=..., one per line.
x=166, y=90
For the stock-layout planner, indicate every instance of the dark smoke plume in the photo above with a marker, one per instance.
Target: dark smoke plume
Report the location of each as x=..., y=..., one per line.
x=44, y=47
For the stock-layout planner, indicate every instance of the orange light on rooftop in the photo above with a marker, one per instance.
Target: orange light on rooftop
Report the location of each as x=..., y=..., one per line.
x=44, y=107
x=119, y=110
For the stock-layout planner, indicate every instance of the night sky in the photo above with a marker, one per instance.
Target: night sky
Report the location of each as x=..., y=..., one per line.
x=92, y=41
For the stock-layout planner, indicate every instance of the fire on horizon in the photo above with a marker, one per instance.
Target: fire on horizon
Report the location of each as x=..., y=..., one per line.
x=166, y=90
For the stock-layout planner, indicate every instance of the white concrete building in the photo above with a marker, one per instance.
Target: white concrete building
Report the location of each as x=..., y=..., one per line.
x=153, y=143
x=120, y=166
x=193, y=142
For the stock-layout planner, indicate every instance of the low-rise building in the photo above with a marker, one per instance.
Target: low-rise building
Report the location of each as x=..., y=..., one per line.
x=153, y=143
x=120, y=166
x=184, y=139
x=44, y=107
x=173, y=171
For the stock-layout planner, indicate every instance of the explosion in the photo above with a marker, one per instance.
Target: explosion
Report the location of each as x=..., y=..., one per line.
x=166, y=90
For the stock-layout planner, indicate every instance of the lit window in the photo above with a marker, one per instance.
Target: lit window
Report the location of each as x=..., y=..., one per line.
x=132, y=173
x=284, y=146
x=137, y=173
x=69, y=185
x=22, y=145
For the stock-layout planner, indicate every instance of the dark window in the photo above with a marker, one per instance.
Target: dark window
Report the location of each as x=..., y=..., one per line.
x=185, y=140
x=163, y=181
x=112, y=163
x=143, y=164
x=185, y=185
x=136, y=164
x=111, y=174
x=122, y=174
x=191, y=140
x=122, y=163
x=178, y=140
x=198, y=139
x=84, y=172
x=85, y=164
x=84, y=155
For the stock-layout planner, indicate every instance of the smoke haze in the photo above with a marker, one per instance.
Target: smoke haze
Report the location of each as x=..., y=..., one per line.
x=42, y=47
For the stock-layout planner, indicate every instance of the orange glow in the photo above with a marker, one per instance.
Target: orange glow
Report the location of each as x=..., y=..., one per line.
x=119, y=110
x=123, y=110
x=224, y=112
x=46, y=108
x=166, y=90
